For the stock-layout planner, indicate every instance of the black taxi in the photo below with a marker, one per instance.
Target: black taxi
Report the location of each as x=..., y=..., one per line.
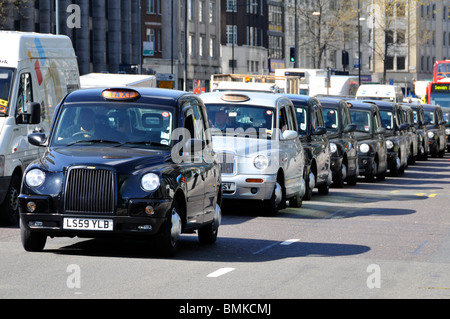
x=423, y=145
x=436, y=129
x=123, y=161
x=372, y=152
x=397, y=138
x=343, y=145
x=446, y=114
x=313, y=135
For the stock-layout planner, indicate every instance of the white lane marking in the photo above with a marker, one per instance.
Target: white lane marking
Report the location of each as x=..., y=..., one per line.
x=289, y=242
x=220, y=272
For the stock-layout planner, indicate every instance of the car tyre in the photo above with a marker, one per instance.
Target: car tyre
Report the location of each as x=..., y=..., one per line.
x=208, y=235
x=371, y=176
x=10, y=207
x=32, y=241
x=167, y=239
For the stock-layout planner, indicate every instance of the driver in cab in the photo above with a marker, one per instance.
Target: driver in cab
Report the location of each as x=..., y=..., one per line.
x=85, y=126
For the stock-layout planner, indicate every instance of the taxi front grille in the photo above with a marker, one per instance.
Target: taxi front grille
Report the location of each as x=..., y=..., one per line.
x=89, y=191
x=227, y=162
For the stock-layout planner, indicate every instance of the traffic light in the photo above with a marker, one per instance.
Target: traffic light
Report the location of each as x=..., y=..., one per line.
x=292, y=54
x=345, y=58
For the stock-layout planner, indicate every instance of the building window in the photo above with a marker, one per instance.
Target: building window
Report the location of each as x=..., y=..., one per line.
x=231, y=34
x=151, y=7
x=231, y=5
x=212, y=12
x=401, y=63
x=202, y=46
x=212, y=47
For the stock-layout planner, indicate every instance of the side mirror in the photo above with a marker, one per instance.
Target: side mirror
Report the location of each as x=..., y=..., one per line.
x=194, y=145
x=32, y=115
x=37, y=139
x=404, y=127
x=380, y=130
x=350, y=128
x=442, y=122
x=289, y=135
x=320, y=130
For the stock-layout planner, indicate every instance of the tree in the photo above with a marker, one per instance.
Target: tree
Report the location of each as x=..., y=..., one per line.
x=323, y=24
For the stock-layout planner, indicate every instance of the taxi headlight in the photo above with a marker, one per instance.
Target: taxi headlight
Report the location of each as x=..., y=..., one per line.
x=430, y=134
x=261, y=162
x=364, y=148
x=447, y=131
x=333, y=148
x=35, y=178
x=389, y=144
x=150, y=182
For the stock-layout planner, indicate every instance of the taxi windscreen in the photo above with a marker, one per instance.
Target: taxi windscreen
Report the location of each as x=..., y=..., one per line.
x=241, y=118
x=145, y=125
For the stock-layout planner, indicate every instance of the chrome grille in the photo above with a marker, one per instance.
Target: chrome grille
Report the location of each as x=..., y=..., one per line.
x=89, y=191
x=227, y=162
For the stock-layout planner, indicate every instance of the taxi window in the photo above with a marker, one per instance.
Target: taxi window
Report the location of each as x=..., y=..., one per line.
x=362, y=120
x=302, y=119
x=235, y=118
x=142, y=124
x=331, y=118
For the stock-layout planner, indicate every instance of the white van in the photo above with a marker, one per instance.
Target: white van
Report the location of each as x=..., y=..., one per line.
x=36, y=72
x=392, y=93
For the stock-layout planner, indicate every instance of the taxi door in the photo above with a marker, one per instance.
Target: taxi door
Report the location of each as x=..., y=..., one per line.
x=193, y=166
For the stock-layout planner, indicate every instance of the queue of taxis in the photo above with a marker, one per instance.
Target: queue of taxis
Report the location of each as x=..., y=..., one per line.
x=156, y=163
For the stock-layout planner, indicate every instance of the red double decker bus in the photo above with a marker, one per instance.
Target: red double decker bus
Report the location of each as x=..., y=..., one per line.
x=438, y=90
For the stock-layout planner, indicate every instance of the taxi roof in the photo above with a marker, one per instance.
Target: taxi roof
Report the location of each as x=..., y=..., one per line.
x=361, y=105
x=382, y=105
x=254, y=98
x=147, y=95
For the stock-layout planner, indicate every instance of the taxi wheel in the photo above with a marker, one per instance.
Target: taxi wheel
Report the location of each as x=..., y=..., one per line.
x=208, y=234
x=9, y=209
x=296, y=201
x=371, y=176
x=167, y=239
x=275, y=203
x=32, y=241
x=338, y=180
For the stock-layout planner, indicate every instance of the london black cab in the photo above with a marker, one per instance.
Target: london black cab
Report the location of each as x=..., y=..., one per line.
x=372, y=153
x=446, y=113
x=313, y=135
x=421, y=131
x=123, y=162
x=436, y=129
x=343, y=145
x=396, y=135
x=408, y=117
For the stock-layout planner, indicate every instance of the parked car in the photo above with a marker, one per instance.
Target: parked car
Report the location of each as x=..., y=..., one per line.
x=396, y=136
x=446, y=113
x=257, y=145
x=408, y=117
x=110, y=169
x=372, y=152
x=343, y=144
x=421, y=131
x=313, y=135
x=436, y=129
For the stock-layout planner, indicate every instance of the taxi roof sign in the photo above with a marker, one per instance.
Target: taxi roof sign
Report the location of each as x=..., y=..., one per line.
x=120, y=94
x=235, y=97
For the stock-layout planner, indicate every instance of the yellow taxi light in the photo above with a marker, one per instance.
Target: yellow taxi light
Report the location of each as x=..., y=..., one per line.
x=235, y=97
x=120, y=94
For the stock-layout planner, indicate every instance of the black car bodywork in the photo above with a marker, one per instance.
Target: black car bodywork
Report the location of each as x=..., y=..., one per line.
x=312, y=132
x=343, y=145
x=446, y=114
x=423, y=146
x=372, y=152
x=396, y=136
x=408, y=117
x=104, y=184
x=436, y=129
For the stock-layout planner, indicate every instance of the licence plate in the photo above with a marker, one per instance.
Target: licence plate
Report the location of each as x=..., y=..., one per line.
x=228, y=186
x=88, y=224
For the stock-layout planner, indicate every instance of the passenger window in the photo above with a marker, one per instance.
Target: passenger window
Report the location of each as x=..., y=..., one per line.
x=25, y=93
x=284, y=120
